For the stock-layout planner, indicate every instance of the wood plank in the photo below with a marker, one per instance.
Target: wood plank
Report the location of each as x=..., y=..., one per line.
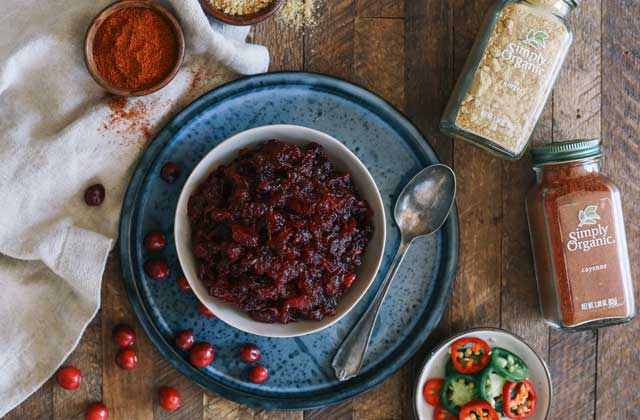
x=476, y=297
x=379, y=65
x=520, y=309
x=218, y=408
x=127, y=394
x=38, y=406
x=341, y=411
x=328, y=46
x=192, y=395
x=617, y=382
x=380, y=8
x=285, y=44
x=88, y=358
x=576, y=113
x=429, y=72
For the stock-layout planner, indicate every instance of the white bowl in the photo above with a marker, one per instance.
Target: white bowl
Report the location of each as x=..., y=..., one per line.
x=344, y=160
x=538, y=372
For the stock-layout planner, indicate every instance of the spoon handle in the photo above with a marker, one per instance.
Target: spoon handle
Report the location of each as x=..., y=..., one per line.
x=350, y=355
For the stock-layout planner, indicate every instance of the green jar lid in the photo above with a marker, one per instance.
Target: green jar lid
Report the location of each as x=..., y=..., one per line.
x=565, y=151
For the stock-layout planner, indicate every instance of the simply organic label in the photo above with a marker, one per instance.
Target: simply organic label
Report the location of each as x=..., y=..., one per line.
x=527, y=54
x=591, y=260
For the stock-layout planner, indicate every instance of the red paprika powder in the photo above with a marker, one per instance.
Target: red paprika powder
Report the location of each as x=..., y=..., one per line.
x=135, y=48
x=578, y=239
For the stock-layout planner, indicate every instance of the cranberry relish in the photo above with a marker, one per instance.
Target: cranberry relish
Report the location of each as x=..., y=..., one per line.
x=279, y=232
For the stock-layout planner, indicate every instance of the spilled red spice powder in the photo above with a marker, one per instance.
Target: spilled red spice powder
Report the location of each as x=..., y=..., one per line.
x=135, y=48
x=128, y=118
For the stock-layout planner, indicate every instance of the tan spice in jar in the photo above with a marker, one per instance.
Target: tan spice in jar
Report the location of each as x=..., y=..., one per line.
x=509, y=76
x=240, y=7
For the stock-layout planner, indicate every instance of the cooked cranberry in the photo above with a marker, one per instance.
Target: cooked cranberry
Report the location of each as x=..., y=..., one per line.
x=185, y=339
x=127, y=359
x=156, y=269
x=170, y=171
x=94, y=195
x=250, y=353
x=169, y=398
x=96, y=411
x=69, y=377
x=155, y=241
x=183, y=284
x=258, y=374
x=123, y=335
x=201, y=355
x=205, y=311
x=279, y=232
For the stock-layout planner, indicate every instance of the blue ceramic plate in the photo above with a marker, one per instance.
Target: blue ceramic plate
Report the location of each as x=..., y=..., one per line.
x=300, y=368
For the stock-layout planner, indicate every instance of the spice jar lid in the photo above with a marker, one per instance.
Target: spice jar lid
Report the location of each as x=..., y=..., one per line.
x=565, y=151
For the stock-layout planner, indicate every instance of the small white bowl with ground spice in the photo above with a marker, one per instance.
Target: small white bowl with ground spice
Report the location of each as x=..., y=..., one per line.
x=241, y=12
x=134, y=47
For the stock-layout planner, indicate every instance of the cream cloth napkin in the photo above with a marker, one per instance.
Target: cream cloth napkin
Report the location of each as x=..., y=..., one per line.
x=59, y=133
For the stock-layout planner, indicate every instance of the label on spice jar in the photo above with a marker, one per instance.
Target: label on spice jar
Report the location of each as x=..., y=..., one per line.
x=591, y=259
x=514, y=77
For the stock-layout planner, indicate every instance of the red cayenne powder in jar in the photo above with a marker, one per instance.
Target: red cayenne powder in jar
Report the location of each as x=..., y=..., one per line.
x=135, y=48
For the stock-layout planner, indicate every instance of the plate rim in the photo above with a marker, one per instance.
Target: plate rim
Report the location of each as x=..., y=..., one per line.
x=374, y=104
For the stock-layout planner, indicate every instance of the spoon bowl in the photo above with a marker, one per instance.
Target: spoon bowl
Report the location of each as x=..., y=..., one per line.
x=426, y=201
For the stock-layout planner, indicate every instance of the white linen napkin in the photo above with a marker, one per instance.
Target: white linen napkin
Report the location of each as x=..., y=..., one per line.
x=59, y=133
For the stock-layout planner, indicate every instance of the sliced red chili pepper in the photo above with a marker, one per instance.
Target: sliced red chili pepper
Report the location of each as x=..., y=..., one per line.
x=431, y=391
x=441, y=413
x=478, y=410
x=470, y=355
x=519, y=399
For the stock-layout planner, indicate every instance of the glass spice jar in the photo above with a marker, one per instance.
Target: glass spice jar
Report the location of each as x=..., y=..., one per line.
x=509, y=75
x=578, y=239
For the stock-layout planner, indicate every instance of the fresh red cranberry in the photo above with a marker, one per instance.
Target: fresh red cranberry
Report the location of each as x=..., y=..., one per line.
x=96, y=411
x=183, y=284
x=170, y=171
x=94, y=195
x=205, y=311
x=169, y=398
x=250, y=353
x=201, y=355
x=155, y=241
x=69, y=377
x=123, y=335
x=127, y=359
x=185, y=339
x=156, y=269
x=258, y=374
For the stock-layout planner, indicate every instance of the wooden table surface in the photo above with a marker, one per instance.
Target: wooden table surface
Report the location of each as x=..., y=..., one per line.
x=410, y=53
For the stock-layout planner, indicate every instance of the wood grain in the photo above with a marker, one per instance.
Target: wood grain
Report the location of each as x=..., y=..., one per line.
x=217, y=408
x=380, y=8
x=618, y=358
x=576, y=114
x=88, y=358
x=476, y=297
x=127, y=394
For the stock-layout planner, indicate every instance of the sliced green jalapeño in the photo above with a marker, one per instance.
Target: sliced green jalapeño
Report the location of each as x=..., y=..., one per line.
x=508, y=365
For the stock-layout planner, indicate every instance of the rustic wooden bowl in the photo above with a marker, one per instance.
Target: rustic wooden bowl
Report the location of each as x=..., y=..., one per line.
x=241, y=19
x=93, y=29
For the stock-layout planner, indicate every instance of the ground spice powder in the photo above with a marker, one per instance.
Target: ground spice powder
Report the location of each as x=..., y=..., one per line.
x=135, y=48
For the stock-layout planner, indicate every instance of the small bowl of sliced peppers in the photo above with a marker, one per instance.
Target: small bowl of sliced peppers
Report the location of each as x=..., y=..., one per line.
x=483, y=374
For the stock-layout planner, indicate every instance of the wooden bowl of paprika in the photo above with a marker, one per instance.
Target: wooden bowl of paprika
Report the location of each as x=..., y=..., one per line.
x=134, y=47
x=238, y=18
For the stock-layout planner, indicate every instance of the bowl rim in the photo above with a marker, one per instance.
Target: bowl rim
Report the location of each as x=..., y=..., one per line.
x=99, y=19
x=451, y=338
x=241, y=20
x=181, y=223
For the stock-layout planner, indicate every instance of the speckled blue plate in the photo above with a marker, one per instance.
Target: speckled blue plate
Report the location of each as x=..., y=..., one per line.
x=300, y=368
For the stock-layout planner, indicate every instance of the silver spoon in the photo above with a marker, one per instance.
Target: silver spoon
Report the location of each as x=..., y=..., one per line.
x=422, y=208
